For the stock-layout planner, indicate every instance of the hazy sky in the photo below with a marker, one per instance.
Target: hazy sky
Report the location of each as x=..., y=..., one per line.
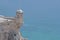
x=37, y=9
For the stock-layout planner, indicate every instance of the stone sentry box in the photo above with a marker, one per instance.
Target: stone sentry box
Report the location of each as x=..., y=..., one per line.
x=9, y=27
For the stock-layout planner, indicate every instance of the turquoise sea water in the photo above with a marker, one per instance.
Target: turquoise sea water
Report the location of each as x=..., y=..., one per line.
x=46, y=32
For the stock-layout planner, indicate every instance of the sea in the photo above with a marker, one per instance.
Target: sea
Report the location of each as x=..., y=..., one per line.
x=45, y=26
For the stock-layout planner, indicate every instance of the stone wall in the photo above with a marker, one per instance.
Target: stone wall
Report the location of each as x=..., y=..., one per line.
x=9, y=27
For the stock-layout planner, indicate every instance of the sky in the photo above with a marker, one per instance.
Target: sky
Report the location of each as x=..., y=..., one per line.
x=38, y=15
x=33, y=8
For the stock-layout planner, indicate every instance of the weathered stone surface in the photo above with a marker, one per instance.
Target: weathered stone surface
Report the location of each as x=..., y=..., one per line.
x=9, y=27
x=12, y=35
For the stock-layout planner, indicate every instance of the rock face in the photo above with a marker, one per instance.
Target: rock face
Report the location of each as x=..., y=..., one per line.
x=12, y=35
x=9, y=27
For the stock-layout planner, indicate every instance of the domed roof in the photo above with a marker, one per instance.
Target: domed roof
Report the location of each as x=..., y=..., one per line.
x=20, y=11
